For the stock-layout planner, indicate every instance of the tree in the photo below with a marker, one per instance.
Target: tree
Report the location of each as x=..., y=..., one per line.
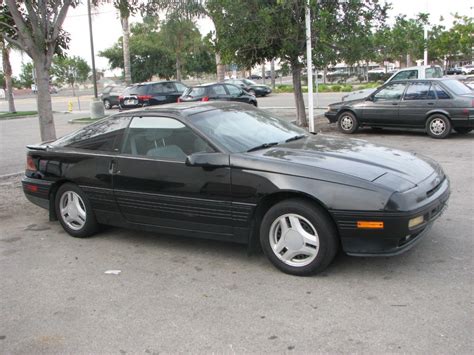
x=254, y=31
x=70, y=70
x=38, y=31
x=453, y=44
x=26, y=76
x=7, y=72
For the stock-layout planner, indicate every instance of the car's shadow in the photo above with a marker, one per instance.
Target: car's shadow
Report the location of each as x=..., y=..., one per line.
x=254, y=261
x=407, y=133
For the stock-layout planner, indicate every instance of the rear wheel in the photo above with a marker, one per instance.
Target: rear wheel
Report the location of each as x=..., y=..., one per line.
x=438, y=126
x=462, y=130
x=75, y=212
x=347, y=122
x=298, y=237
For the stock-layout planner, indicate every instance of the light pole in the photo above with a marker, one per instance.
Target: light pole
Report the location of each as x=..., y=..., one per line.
x=309, y=65
x=96, y=107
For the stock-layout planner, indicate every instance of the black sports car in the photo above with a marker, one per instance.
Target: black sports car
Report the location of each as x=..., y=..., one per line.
x=230, y=171
x=251, y=86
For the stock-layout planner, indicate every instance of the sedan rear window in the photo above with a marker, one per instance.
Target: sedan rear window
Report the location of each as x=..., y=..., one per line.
x=434, y=72
x=136, y=90
x=457, y=87
x=195, y=92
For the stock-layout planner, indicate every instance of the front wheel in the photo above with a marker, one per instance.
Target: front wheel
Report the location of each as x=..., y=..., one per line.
x=298, y=237
x=107, y=105
x=347, y=122
x=462, y=130
x=438, y=126
x=74, y=211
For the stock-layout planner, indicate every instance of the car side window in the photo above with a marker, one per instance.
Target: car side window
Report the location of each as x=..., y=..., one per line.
x=419, y=91
x=104, y=135
x=233, y=90
x=163, y=138
x=406, y=74
x=218, y=90
x=156, y=89
x=391, y=92
x=440, y=93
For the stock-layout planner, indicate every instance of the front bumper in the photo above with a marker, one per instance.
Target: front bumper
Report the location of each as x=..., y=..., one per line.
x=396, y=237
x=331, y=116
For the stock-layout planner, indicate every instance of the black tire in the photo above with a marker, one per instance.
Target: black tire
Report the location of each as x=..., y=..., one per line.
x=90, y=225
x=438, y=126
x=318, y=220
x=347, y=122
x=463, y=130
x=107, y=104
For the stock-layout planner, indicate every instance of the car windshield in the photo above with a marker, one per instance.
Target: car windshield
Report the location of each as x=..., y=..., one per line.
x=249, y=82
x=241, y=130
x=457, y=87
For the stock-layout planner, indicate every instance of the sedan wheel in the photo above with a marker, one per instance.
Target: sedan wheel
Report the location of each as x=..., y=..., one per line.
x=107, y=104
x=74, y=211
x=347, y=122
x=438, y=126
x=298, y=237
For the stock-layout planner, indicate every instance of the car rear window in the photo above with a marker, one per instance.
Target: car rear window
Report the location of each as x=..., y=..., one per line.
x=136, y=90
x=434, y=72
x=457, y=87
x=195, y=92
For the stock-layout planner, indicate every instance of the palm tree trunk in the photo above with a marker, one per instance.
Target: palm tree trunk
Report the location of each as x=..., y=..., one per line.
x=7, y=71
x=45, y=110
x=126, y=49
x=220, y=68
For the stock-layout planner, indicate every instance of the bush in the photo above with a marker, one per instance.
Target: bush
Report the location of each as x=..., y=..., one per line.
x=346, y=88
x=336, y=88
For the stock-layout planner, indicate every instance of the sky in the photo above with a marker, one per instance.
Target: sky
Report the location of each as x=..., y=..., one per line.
x=107, y=28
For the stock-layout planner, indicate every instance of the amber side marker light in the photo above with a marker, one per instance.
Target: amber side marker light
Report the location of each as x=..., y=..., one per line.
x=369, y=225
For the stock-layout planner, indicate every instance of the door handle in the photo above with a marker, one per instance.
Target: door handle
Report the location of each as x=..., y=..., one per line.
x=394, y=103
x=113, y=168
x=431, y=103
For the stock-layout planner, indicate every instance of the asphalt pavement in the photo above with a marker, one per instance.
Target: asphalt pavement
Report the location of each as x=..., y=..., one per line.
x=124, y=291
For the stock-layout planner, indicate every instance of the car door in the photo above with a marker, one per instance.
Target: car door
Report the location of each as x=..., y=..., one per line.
x=153, y=186
x=383, y=106
x=236, y=93
x=419, y=98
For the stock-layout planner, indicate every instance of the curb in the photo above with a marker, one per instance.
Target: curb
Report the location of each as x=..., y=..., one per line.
x=6, y=176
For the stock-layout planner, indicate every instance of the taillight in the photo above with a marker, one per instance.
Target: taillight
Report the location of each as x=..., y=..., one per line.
x=179, y=100
x=144, y=97
x=31, y=188
x=120, y=97
x=30, y=164
x=205, y=98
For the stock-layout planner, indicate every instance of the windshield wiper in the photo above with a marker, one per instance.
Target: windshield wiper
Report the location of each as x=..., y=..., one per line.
x=262, y=146
x=295, y=138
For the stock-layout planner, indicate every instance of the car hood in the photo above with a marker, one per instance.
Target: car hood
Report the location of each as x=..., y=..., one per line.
x=357, y=158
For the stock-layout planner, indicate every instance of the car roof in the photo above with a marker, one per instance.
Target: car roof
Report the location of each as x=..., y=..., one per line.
x=420, y=80
x=154, y=82
x=185, y=109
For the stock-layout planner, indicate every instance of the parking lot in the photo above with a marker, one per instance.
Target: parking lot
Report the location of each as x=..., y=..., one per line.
x=189, y=295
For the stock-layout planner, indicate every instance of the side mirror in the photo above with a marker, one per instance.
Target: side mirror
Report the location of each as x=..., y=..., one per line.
x=208, y=160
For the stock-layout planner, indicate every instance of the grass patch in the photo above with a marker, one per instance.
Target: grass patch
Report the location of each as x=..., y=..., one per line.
x=18, y=114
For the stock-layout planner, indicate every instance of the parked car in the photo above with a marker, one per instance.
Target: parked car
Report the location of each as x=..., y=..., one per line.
x=255, y=77
x=420, y=72
x=2, y=93
x=110, y=95
x=468, y=69
x=454, y=71
x=150, y=94
x=217, y=91
x=232, y=172
x=251, y=86
x=469, y=81
x=436, y=105
x=377, y=71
